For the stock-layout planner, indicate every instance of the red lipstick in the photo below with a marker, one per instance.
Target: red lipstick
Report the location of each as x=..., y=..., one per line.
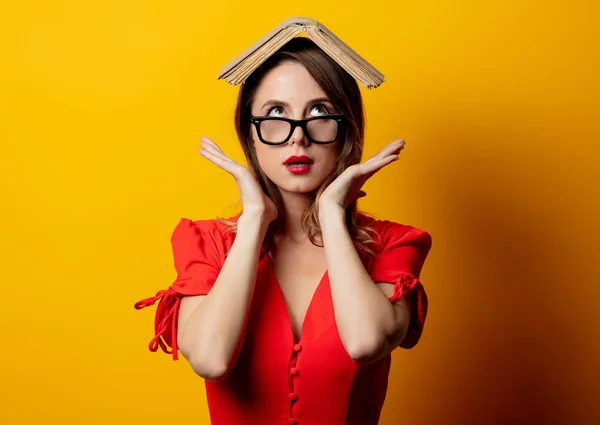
x=298, y=164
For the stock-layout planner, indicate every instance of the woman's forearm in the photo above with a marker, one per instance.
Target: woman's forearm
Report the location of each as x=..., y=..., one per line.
x=364, y=315
x=214, y=331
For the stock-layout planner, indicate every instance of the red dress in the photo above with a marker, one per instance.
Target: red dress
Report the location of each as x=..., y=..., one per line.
x=277, y=380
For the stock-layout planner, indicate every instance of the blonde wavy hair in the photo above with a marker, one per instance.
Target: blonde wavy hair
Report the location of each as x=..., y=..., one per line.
x=344, y=93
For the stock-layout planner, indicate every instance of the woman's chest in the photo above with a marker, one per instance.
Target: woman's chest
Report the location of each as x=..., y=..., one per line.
x=298, y=275
x=272, y=352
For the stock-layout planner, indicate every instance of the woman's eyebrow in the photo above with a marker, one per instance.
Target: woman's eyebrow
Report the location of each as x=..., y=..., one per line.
x=275, y=102
x=287, y=105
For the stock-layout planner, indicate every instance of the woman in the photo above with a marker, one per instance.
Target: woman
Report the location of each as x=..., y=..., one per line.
x=290, y=310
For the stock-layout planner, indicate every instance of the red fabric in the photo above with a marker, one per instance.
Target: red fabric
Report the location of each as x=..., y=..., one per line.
x=276, y=379
x=403, y=253
x=198, y=251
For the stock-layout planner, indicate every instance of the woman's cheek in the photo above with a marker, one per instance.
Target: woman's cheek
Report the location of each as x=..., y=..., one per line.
x=270, y=164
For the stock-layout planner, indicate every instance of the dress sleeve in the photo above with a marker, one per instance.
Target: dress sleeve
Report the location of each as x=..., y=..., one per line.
x=399, y=262
x=198, y=254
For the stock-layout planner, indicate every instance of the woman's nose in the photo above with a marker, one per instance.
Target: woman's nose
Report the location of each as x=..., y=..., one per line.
x=298, y=137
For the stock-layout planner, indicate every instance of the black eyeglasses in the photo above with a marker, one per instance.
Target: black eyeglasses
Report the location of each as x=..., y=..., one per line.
x=277, y=130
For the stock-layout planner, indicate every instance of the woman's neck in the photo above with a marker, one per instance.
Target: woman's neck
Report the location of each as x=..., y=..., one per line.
x=293, y=206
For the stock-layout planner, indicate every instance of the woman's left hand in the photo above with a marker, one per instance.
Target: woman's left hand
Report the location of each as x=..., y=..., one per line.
x=346, y=188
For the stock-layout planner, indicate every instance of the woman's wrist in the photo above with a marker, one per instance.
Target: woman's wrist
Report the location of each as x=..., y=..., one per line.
x=257, y=220
x=330, y=210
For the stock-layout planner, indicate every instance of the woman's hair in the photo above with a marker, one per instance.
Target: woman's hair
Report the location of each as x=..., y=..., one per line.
x=343, y=91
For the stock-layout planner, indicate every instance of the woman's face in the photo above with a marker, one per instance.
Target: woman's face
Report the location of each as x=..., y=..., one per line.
x=289, y=91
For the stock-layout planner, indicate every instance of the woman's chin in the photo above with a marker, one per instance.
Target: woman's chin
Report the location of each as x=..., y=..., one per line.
x=300, y=187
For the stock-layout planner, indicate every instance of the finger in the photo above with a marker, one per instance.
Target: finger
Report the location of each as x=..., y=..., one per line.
x=371, y=167
x=211, y=142
x=373, y=170
x=392, y=148
x=229, y=166
x=208, y=143
x=214, y=150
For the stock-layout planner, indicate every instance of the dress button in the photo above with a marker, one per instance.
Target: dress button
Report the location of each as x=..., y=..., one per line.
x=297, y=347
x=294, y=371
x=293, y=396
x=292, y=421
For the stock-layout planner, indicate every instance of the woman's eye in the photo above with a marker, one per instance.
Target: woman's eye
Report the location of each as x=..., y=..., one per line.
x=319, y=110
x=276, y=111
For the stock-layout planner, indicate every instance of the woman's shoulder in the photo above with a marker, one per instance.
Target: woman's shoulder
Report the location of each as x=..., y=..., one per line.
x=389, y=230
x=384, y=225
x=218, y=227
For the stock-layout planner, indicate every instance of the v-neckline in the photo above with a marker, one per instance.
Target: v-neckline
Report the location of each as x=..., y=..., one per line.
x=301, y=337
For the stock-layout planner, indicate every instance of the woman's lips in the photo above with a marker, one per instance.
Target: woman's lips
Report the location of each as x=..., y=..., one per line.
x=298, y=168
x=295, y=159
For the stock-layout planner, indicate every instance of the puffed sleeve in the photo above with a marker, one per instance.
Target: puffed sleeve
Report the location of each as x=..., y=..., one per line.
x=198, y=254
x=403, y=253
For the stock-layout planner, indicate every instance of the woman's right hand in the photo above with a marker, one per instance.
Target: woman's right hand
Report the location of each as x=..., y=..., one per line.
x=254, y=200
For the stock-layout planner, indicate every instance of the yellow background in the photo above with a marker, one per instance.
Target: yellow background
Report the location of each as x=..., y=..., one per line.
x=101, y=108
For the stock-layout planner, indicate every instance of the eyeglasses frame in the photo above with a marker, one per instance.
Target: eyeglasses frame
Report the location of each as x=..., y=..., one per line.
x=340, y=119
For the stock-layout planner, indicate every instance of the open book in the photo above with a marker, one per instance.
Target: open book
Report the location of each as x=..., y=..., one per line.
x=236, y=71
